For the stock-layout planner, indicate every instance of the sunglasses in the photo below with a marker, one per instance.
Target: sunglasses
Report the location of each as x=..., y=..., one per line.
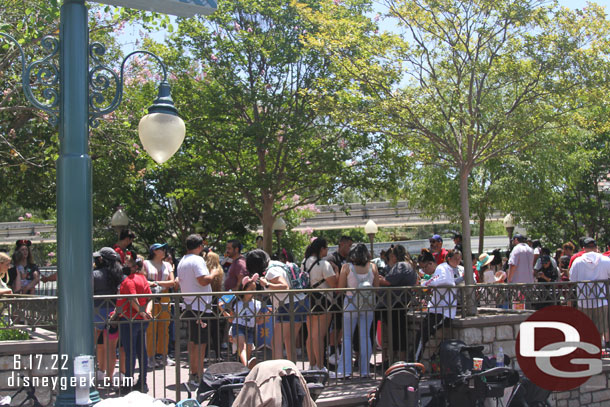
x=24, y=242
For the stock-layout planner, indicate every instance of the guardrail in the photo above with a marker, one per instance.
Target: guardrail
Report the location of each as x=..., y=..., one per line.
x=367, y=329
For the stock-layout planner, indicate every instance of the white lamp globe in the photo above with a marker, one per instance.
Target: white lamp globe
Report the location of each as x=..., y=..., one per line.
x=162, y=130
x=371, y=227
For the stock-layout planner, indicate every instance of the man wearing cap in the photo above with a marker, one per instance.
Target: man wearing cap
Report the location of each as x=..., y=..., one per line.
x=437, y=250
x=521, y=261
x=592, y=297
x=126, y=238
x=237, y=270
x=194, y=277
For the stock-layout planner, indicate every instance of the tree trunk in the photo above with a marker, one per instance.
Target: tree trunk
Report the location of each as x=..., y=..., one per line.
x=468, y=303
x=481, y=231
x=267, y=221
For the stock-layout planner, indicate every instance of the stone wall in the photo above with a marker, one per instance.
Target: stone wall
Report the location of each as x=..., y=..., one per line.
x=36, y=360
x=490, y=329
x=494, y=330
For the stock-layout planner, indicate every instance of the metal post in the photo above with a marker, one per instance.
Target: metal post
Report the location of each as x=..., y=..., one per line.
x=372, y=240
x=74, y=209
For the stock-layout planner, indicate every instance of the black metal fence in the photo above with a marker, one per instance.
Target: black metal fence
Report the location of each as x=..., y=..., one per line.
x=353, y=333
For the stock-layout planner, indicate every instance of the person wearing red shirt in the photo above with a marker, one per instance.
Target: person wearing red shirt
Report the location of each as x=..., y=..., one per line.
x=436, y=248
x=134, y=314
x=580, y=253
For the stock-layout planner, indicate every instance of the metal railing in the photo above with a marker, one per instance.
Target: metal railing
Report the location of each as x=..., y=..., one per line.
x=366, y=329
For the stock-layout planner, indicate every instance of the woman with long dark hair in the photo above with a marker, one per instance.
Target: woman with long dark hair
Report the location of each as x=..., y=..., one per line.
x=24, y=275
x=321, y=275
x=358, y=307
x=107, y=276
x=401, y=273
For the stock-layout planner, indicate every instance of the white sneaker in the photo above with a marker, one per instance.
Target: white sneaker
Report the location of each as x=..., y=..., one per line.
x=332, y=359
x=168, y=362
x=338, y=375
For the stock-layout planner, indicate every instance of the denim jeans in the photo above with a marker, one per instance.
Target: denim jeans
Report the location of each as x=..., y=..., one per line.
x=352, y=317
x=133, y=340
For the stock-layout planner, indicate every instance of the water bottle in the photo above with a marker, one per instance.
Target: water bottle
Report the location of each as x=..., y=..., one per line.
x=500, y=358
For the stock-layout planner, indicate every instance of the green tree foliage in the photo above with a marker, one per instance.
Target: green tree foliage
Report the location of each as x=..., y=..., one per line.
x=27, y=141
x=464, y=82
x=256, y=105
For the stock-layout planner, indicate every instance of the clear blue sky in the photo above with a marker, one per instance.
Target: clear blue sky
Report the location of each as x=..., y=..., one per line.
x=129, y=36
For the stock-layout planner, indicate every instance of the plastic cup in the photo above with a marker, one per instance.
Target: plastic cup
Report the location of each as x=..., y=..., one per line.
x=477, y=364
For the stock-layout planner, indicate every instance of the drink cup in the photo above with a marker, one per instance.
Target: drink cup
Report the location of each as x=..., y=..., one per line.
x=477, y=364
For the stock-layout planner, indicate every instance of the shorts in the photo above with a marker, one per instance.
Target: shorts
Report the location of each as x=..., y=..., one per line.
x=100, y=317
x=245, y=331
x=301, y=309
x=599, y=316
x=319, y=303
x=198, y=334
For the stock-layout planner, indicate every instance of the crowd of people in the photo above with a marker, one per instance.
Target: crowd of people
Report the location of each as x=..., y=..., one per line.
x=336, y=323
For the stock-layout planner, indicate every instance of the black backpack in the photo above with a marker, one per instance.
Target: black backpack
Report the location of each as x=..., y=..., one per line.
x=399, y=387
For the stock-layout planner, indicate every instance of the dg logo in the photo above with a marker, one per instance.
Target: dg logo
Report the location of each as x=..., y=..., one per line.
x=559, y=348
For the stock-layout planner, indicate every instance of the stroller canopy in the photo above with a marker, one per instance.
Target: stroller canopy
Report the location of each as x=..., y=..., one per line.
x=274, y=383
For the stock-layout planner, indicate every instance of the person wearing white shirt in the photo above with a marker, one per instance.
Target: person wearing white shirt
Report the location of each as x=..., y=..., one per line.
x=194, y=277
x=442, y=306
x=521, y=262
x=594, y=268
x=321, y=275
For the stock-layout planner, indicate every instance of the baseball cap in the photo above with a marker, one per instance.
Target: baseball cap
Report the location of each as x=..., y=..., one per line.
x=107, y=253
x=157, y=246
x=589, y=241
x=436, y=238
x=545, y=259
x=519, y=237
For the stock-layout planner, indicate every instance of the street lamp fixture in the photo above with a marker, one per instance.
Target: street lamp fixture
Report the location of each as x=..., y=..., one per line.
x=119, y=220
x=279, y=226
x=371, y=230
x=83, y=83
x=509, y=225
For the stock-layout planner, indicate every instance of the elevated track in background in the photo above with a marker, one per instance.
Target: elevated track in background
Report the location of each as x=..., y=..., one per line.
x=384, y=214
x=329, y=217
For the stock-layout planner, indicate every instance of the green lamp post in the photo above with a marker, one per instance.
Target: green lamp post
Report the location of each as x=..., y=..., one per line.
x=74, y=108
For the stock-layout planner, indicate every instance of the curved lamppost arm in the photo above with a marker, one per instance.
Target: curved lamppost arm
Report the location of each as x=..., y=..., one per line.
x=101, y=76
x=47, y=76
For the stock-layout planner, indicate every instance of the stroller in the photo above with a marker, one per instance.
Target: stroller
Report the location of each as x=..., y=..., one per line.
x=463, y=387
x=222, y=384
x=399, y=387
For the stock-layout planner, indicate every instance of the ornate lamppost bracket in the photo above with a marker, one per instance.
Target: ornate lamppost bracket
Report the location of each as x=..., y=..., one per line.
x=102, y=77
x=41, y=77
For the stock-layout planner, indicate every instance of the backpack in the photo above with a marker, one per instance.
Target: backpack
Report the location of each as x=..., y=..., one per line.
x=364, y=299
x=297, y=279
x=399, y=387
